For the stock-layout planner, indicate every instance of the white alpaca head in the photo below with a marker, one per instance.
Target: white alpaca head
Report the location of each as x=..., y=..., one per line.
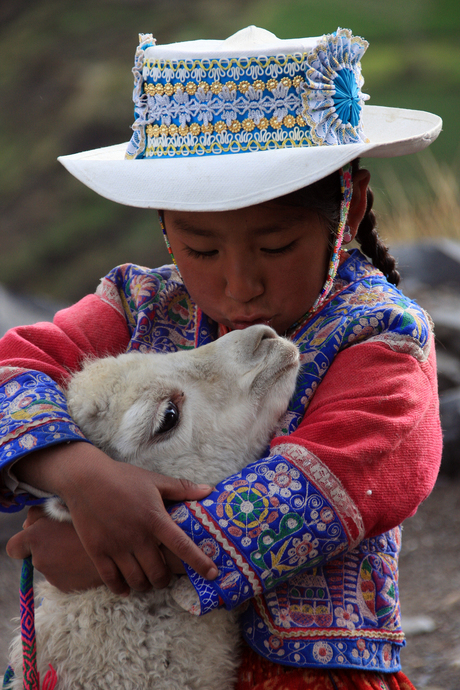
x=199, y=414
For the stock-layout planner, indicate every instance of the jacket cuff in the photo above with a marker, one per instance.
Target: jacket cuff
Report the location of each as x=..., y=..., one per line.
x=267, y=524
x=34, y=415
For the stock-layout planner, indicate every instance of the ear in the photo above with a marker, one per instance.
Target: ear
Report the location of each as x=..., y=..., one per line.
x=358, y=202
x=136, y=427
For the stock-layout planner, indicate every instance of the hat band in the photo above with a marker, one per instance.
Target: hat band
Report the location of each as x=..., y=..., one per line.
x=211, y=106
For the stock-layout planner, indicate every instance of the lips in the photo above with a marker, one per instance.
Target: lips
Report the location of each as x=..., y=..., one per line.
x=239, y=323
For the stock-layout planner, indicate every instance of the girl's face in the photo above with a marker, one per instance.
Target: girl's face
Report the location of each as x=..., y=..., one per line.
x=261, y=264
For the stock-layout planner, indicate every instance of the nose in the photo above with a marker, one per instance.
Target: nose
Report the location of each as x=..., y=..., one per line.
x=260, y=333
x=243, y=283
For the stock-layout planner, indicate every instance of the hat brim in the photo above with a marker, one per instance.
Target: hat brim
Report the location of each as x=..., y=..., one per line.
x=231, y=181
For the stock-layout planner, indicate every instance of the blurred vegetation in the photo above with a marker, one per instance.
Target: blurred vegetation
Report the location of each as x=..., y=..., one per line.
x=65, y=86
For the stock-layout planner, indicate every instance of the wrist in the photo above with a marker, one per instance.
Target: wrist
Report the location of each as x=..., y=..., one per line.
x=61, y=469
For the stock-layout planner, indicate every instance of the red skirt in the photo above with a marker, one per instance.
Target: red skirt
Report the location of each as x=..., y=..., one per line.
x=257, y=673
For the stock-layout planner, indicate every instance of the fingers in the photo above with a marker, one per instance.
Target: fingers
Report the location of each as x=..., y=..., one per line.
x=172, y=561
x=57, y=553
x=18, y=546
x=143, y=565
x=34, y=513
x=175, y=539
x=146, y=570
x=111, y=576
x=128, y=573
x=180, y=489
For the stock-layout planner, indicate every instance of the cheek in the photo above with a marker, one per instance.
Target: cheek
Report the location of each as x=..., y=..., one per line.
x=201, y=282
x=306, y=272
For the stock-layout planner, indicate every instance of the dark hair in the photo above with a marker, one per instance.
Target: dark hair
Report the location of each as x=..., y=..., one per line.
x=325, y=197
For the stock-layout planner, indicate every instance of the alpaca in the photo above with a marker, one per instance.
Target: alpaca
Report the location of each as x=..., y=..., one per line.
x=201, y=414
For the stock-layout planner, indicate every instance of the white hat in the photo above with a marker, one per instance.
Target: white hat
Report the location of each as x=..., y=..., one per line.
x=226, y=124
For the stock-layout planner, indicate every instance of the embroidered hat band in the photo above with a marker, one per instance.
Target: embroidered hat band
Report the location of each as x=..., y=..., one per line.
x=221, y=125
x=212, y=105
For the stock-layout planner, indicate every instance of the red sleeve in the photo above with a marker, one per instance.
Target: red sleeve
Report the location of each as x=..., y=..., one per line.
x=90, y=328
x=374, y=422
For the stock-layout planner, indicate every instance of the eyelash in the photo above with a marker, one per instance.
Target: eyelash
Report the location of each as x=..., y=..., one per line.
x=281, y=250
x=200, y=255
x=209, y=255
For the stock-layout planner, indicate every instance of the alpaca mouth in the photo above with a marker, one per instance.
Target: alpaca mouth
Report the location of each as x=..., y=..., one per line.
x=265, y=380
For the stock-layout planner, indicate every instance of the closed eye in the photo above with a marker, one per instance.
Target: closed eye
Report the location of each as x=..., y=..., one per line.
x=200, y=255
x=170, y=418
x=280, y=250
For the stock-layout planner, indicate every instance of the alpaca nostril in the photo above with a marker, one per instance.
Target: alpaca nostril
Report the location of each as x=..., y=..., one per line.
x=265, y=333
x=268, y=334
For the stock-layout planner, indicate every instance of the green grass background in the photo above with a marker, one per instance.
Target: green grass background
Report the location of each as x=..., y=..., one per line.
x=65, y=86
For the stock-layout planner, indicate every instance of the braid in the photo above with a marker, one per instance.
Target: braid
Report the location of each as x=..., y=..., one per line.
x=371, y=244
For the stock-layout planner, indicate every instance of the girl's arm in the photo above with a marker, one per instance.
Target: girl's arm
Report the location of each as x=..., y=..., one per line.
x=118, y=511
x=119, y=516
x=365, y=455
x=36, y=362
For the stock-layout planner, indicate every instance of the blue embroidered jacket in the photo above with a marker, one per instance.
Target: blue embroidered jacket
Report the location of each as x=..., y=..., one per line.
x=288, y=540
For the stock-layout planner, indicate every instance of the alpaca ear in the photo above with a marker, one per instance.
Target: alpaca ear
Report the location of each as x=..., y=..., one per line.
x=91, y=390
x=136, y=426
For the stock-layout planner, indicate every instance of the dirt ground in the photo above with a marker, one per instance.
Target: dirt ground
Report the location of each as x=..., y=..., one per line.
x=429, y=585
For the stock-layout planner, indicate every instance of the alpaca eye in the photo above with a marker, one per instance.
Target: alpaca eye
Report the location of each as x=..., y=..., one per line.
x=170, y=418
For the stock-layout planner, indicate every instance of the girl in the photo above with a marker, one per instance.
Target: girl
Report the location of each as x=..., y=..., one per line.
x=249, y=147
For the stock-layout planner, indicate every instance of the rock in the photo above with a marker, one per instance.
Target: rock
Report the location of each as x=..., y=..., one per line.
x=448, y=370
x=450, y=422
x=433, y=263
x=18, y=310
x=417, y=625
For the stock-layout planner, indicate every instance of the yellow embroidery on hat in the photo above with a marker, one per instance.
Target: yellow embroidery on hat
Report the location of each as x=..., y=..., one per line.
x=191, y=88
x=289, y=121
x=225, y=64
x=248, y=124
x=153, y=131
x=207, y=129
x=235, y=126
x=169, y=89
x=216, y=147
x=216, y=87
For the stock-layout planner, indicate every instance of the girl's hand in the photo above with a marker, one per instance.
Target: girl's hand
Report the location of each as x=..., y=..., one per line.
x=118, y=513
x=57, y=552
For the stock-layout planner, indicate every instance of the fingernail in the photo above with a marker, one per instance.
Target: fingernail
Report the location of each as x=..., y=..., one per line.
x=205, y=487
x=212, y=573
